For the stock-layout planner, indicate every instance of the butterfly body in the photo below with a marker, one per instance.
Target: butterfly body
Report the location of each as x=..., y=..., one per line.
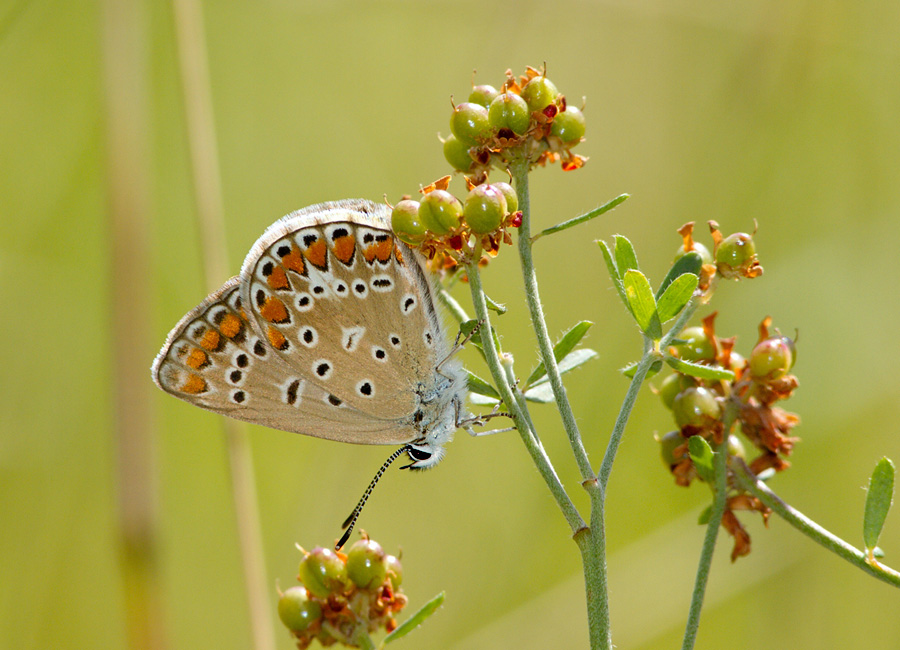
x=330, y=330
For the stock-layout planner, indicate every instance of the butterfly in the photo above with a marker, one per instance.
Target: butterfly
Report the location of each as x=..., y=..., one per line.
x=331, y=330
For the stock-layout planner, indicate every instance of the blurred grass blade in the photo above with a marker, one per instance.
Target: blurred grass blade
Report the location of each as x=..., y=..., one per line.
x=878, y=502
x=698, y=370
x=587, y=216
x=416, y=619
x=676, y=296
x=566, y=344
x=642, y=303
x=687, y=263
x=479, y=386
x=702, y=456
x=625, y=256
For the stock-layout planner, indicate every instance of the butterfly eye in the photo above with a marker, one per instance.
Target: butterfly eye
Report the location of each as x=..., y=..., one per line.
x=418, y=455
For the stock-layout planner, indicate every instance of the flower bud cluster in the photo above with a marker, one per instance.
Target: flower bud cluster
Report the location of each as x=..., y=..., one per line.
x=526, y=119
x=343, y=596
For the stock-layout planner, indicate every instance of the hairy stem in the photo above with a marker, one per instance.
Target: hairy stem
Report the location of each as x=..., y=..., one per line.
x=747, y=480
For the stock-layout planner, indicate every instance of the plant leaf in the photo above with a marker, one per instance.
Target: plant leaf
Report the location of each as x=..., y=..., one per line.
x=566, y=344
x=676, y=296
x=494, y=306
x=587, y=216
x=541, y=393
x=482, y=400
x=698, y=369
x=470, y=326
x=626, y=259
x=631, y=368
x=416, y=619
x=878, y=501
x=703, y=519
x=613, y=271
x=479, y=386
x=702, y=456
x=642, y=303
x=688, y=263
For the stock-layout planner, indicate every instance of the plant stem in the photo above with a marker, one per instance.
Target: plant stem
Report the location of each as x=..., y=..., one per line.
x=709, y=542
x=533, y=298
x=749, y=482
x=519, y=415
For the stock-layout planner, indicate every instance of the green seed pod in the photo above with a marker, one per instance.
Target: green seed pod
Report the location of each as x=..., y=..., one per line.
x=483, y=95
x=569, y=126
x=698, y=248
x=322, y=572
x=394, y=571
x=366, y=564
x=512, y=200
x=440, y=211
x=667, y=445
x=457, y=154
x=539, y=93
x=672, y=385
x=469, y=123
x=736, y=257
x=296, y=610
x=406, y=224
x=696, y=407
x=509, y=111
x=485, y=209
x=697, y=345
x=771, y=359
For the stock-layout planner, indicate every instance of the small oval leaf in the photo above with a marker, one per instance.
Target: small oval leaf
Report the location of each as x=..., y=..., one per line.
x=479, y=386
x=702, y=456
x=416, y=619
x=676, y=296
x=878, y=501
x=687, y=263
x=640, y=299
x=626, y=258
x=698, y=369
x=566, y=344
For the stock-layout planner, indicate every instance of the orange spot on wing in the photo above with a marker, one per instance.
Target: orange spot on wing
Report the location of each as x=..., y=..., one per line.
x=344, y=247
x=273, y=310
x=293, y=261
x=398, y=255
x=380, y=250
x=278, y=279
x=211, y=340
x=230, y=326
x=194, y=384
x=197, y=359
x=316, y=253
x=276, y=338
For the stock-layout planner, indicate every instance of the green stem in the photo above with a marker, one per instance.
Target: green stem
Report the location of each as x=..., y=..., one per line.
x=533, y=298
x=709, y=542
x=747, y=480
x=522, y=421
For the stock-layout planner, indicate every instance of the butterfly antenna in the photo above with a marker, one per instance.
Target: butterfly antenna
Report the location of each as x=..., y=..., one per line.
x=351, y=520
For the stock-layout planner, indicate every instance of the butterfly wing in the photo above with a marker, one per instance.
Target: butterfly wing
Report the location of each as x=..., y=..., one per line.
x=329, y=331
x=343, y=302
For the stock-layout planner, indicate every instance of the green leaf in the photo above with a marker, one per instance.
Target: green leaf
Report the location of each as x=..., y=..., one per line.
x=878, y=501
x=687, y=263
x=473, y=330
x=596, y=212
x=626, y=259
x=542, y=391
x=494, y=306
x=702, y=456
x=631, y=368
x=482, y=400
x=676, y=296
x=703, y=519
x=566, y=344
x=479, y=386
x=416, y=619
x=699, y=370
x=613, y=271
x=642, y=303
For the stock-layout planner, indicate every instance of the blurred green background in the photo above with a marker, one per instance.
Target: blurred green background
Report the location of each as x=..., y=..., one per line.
x=787, y=113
